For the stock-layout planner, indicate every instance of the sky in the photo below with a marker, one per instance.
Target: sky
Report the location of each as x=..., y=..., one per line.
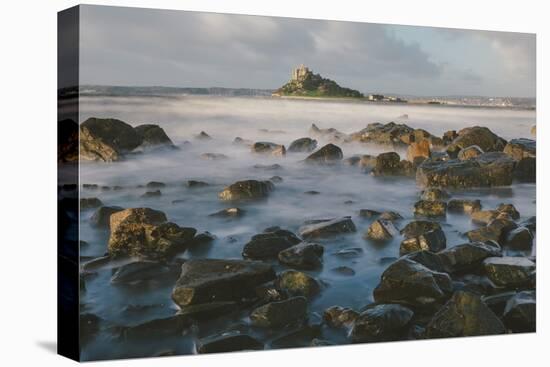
x=147, y=47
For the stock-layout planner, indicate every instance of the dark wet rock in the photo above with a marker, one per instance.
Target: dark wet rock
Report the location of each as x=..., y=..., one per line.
x=519, y=239
x=496, y=230
x=303, y=145
x=369, y=213
x=353, y=160
x=381, y=230
x=269, y=244
x=102, y=216
x=158, y=328
x=484, y=216
x=231, y=341
x=320, y=343
x=390, y=134
x=526, y=170
x=89, y=326
x=497, y=302
x=144, y=232
x=155, y=185
x=297, y=283
x=152, y=194
x=464, y=314
x=390, y=164
x=276, y=179
x=509, y=209
x=383, y=322
x=467, y=256
x=471, y=152
x=208, y=311
x=304, y=255
x=327, y=228
x=418, y=227
x=427, y=258
x=367, y=162
x=202, y=239
x=521, y=148
x=480, y=136
x=338, y=317
x=312, y=192
x=433, y=194
x=96, y=263
x=530, y=223
x=418, y=149
x=408, y=282
x=449, y=136
x=343, y=270
x=229, y=213
x=207, y=280
x=510, y=272
x=435, y=208
x=246, y=190
x=214, y=156
x=203, y=136
x=330, y=134
x=240, y=141
x=349, y=253
x=153, y=136
x=269, y=292
x=90, y=203
x=107, y=140
x=279, y=314
x=520, y=312
x=179, y=201
x=391, y=216
x=139, y=271
x=329, y=153
x=434, y=241
x=268, y=167
x=464, y=206
x=487, y=170
x=300, y=337
x=195, y=184
x=268, y=148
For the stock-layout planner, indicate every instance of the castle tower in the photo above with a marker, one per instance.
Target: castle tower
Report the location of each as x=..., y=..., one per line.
x=300, y=72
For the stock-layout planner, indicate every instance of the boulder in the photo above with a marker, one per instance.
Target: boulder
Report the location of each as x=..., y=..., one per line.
x=207, y=280
x=229, y=213
x=268, y=167
x=267, y=245
x=530, y=223
x=195, y=184
x=140, y=271
x=303, y=145
x=90, y=203
x=471, y=152
x=419, y=149
x=464, y=314
x=383, y=322
x=483, y=216
x=330, y=134
x=519, y=239
x=434, y=194
x=369, y=213
x=464, y=206
x=521, y=148
x=428, y=241
x=520, y=312
x=153, y=136
x=391, y=216
x=297, y=283
x=171, y=326
x=434, y=208
x=408, y=282
x=246, y=190
x=390, y=164
x=152, y=194
x=279, y=314
x=230, y=341
x=480, y=136
x=304, y=255
x=510, y=272
x=390, y=134
x=339, y=317
x=429, y=259
x=330, y=153
x=327, y=228
x=526, y=170
x=367, y=162
x=449, y=136
x=497, y=302
x=509, y=209
x=155, y=185
x=107, y=140
x=419, y=227
x=203, y=136
x=468, y=256
x=244, y=142
x=269, y=148
x=381, y=230
x=214, y=156
x=343, y=270
x=208, y=311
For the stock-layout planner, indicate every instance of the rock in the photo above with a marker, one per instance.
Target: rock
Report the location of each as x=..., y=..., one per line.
x=520, y=313
x=195, y=184
x=247, y=190
x=521, y=148
x=153, y=136
x=276, y=179
x=367, y=162
x=327, y=228
x=89, y=326
x=390, y=134
x=279, y=314
x=530, y=223
x=268, y=167
x=464, y=206
x=144, y=232
x=139, y=271
x=510, y=272
x=89, y=203
x=338, y=317
x=526, y=170
x=509, y=209
x=303, y=145
x=471, y=152
x=214, y=156
x=298, y=338
x=483, y=216
x=480, y=136
x=534, y=130
x=384, y=322
x=369, y=213
x=297, y=283
x=240, y=141
x=427, y=258
x=434, y=241
x=519, y=239
x=381, y=230
x=391, y=216
x=330, y=134
x=449, y=136
x=343, y=270
x=312, y=192
x=107, y=140
x=408, y=282
x=418, y=149
x=203, y=136
x=229, y=213
x=102, y=216
x=152, y=194
x=349, y=253
x=464, y=314
x=268, y=148
x=155, y=185
x=426, y=208
x=231, y=341
x=305, y=255
x=467, y=256
x=158, y=328
x=67, y=141
x=390, y=164
x=353, y=160
x=207, y=280
x=418, y=227
x=434, y=194
x=267, y=245
x=329, y=153
x=497, y=302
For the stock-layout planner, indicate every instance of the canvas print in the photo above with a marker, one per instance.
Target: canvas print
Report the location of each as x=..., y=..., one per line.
x=252, y=183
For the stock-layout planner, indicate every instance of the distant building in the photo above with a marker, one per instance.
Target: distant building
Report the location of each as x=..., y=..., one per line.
x=300, y=72
x=376, y=97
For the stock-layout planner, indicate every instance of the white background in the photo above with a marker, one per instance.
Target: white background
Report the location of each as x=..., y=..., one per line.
x=28, y=182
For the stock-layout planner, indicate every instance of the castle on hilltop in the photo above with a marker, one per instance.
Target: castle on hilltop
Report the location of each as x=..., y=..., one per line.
x=300, y=72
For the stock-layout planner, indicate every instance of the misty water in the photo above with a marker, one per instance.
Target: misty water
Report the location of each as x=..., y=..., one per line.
x=344, y=190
